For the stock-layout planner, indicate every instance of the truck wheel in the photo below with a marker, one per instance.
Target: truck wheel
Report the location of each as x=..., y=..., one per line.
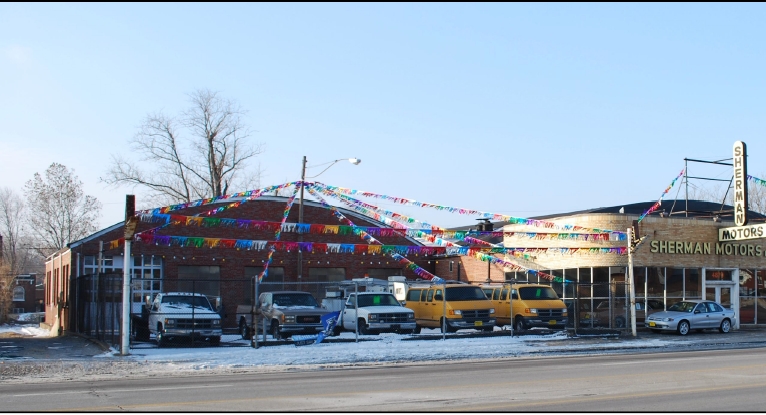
x=161, y=340
x=215, y=341
x=244, y=330
x=449, y=328
x=519, y=325
x=336, y=331
x=363, y=329
x=418, y=329
x=275, y=330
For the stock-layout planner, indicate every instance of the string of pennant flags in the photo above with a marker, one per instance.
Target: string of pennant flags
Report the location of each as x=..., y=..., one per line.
x=419, y=271
x=756, y=180
x=399, y=225
x=659, y=202
x=320, y=229
x=493, y=216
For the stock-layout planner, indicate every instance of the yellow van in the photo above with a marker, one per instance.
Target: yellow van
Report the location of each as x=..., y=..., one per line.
x=534, y=305
x=466, y=307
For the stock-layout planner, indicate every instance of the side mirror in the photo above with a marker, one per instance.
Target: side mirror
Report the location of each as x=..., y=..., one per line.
x=402, y=302
x=697, y=311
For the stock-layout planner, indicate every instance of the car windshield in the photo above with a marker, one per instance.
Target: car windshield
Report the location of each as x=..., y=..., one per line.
x=538, y=293
x=290, y=300
x=377, y=299
x=465, y=294
x=187, y=300
x=683, y=306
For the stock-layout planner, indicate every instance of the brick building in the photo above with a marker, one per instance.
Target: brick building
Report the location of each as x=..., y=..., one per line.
x=224, y=274
x=681, y=258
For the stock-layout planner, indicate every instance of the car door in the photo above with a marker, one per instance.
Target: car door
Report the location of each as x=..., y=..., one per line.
x=349, y=313
x=700, y=318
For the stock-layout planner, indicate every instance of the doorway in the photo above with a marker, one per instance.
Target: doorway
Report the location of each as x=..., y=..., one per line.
x=722, y=286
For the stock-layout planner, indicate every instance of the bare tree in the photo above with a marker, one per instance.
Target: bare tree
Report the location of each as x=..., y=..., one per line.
x=11, y=221
x=58, y=210
x=203, y=153
x=6, y=291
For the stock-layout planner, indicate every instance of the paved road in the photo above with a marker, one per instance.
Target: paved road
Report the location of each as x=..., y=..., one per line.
x=709, y=380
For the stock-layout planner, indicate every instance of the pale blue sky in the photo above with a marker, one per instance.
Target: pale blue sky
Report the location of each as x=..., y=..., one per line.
x=519, y=109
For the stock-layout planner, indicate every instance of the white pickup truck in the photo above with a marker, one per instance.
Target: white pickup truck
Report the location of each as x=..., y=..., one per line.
x=376, y=312
x=183, y=315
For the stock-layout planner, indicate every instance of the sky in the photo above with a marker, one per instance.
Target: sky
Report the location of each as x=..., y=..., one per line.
x=517, y=109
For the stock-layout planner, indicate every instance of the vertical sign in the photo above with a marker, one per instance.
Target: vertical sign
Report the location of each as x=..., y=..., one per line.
x=740, y=184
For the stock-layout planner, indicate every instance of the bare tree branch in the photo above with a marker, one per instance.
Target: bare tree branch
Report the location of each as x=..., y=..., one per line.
x=206, y=164
x=58, y=211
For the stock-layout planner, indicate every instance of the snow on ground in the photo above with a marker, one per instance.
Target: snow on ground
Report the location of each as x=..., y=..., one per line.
x=33, y=331
x=388, y=348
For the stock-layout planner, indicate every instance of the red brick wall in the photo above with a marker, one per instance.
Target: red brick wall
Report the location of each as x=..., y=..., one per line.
x=232, y=262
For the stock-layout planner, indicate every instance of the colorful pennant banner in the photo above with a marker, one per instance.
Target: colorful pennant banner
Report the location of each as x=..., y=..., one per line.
x=419, y=271
x=659, y=202
x=462, y=211
x=757, y=180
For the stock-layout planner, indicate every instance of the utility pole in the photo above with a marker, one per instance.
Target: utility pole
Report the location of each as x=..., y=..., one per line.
x=633, y=244
x=300, y=220
x=131, y=222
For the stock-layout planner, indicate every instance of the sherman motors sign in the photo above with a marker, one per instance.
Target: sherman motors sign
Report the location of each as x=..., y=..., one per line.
x=740, y=233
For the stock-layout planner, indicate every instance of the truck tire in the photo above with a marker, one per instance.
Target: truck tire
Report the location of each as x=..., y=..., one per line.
x=363, y=329
x=275, y=330
x=161, y=340
x=244, y=330
x=449, y=328
x=519, y=325
x=215, y=341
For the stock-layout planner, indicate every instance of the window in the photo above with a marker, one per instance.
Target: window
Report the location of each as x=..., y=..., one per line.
x=450, y=266
x=18, y=293
x=273, y=282
x=201, y=279
x=18, y=310
x=413, y=295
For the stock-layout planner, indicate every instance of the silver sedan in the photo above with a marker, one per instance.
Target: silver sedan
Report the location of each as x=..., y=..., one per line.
x=689, y=315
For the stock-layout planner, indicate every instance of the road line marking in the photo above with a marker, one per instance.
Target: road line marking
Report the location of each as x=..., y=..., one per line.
x=123, y=390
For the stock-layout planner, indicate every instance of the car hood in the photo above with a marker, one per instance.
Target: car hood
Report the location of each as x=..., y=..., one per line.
x=386, y=309
x=672, y=314
x=186, y=309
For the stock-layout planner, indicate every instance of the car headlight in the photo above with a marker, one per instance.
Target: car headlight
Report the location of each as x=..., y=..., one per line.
x=563, y=311
x=455, y=313
x=531, y=310
x=169, y=322
x=372, y=317
x=667, y=319
x=289, y=319
x=410, y=316
x=491, y=311
x=216, y=322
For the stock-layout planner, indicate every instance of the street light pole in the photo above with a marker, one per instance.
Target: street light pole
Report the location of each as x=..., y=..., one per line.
x=354, y=161
x=300, y=220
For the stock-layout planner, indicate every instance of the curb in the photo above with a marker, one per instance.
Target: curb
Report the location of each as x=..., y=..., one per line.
x=103, y=346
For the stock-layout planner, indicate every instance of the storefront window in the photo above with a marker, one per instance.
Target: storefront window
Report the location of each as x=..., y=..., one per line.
x=692, y=285
x=601, y=288
x=747, y=310
x=674, y=286
x=639, y=278
x=558, y=281
x=655, y=284
x=747, y=282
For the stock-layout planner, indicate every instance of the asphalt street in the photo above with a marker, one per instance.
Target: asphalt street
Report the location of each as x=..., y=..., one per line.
x=693, y=381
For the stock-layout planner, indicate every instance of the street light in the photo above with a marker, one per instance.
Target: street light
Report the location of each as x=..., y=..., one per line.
x=354, y=161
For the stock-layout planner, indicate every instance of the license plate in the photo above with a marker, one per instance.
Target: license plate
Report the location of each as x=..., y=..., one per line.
x=652, y=324
x=477, y=323
x=552, y=322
